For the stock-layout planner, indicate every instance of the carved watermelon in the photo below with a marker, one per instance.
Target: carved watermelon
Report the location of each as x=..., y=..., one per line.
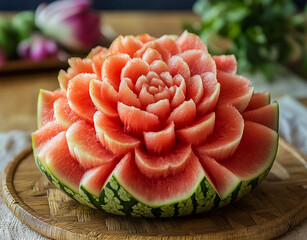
x=155, y=128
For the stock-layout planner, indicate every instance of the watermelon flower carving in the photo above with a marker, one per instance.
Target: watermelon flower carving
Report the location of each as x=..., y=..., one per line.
x=155, y=127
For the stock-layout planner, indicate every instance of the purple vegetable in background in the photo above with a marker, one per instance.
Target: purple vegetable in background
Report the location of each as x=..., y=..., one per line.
x=72, y=23
x=37, y=47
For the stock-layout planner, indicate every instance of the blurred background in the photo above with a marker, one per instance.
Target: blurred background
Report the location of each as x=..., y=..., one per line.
x=18, y=5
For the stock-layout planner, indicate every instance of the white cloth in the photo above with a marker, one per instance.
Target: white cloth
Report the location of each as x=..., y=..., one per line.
x=11, y=228
x=293, y=127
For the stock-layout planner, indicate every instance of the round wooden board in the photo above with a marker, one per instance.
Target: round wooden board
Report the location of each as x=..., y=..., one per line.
x=278, y=204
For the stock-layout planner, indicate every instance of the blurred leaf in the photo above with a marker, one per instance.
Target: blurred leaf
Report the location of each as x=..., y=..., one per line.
x=24, y=24
x=8, y=38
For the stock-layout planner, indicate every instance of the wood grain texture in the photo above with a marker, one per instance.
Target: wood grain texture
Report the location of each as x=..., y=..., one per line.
x=275, y=206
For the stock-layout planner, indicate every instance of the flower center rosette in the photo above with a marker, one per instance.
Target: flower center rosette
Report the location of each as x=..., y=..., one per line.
x=155, y=127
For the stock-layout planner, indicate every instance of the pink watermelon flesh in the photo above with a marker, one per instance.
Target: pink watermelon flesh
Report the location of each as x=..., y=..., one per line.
x=161, y=141
x=62, y=165
x=198, y=61
x=163, y=165
x=112, y=136
x=221, y=179
x=211, y=94
x=41, y=136
x=134, y=68
x=156, y=46
x=144, y=38
x=112, y=68
x=157, y=191
x=227, y=135
x=151, y=55
x=104, y=97
x=45, y=112
x=188, y=41
x=77, y=65
x=85, y=147
x=97, y=63
x=198, y=132
x=183, y=115
x=136, y=120
x=267, y=116
x=161, y=109
x=226, y=63
x=126, y=95
x=235, y=90
x=258, y=100
x=195, y=88
x=79, y=97
x=63, y=113
x=127, y=44
x=178, y=66
x=169, y=43
x=94, y=179
x=255, y=152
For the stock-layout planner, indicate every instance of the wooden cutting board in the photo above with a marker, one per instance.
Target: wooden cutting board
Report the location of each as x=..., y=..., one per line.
x=276, y=205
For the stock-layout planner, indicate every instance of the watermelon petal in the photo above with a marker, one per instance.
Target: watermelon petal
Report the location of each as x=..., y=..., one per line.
x=161, y=141
x=98, y=62
x=137, y=120
x=210, y=96
x=94, y=179
x=62, y=165
x=45, y=111
x=112, y=68
x=178, y=66
x=256, y=152
x=259, y=100
x=267, y=116
x=128, y=45
x=85, y=147
x=158, y=66
x=162, y=165
x=226, y=63
x=235, y=90
x=168, y=42
x=222, y=180
x=151, y=55
x=156, y=192
x=156, y=46
x=183, y=115
x=161, y=109
x=198, y=61
x=112, y=135
x=198, y=132
x=135, y=68
x=42, y=135
x=104, y=97
x=227, y=135
x=63, y=113
x=195, y=88
x=189, y=41
x=126, y=95
x=79, y=98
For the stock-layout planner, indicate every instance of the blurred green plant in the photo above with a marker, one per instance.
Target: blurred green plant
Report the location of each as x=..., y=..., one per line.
x=263, y=34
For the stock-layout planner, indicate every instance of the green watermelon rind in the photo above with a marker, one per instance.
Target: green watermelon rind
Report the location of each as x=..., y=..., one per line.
x=117, y=200
x=60, y=185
